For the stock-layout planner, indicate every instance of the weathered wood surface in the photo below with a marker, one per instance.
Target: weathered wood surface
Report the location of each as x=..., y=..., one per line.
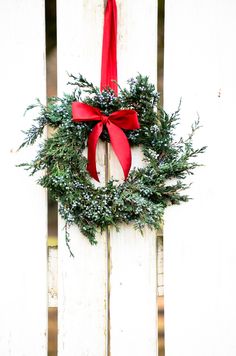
x=133, y=272
x=82, y=288
x=199, y=237
x=23, y=253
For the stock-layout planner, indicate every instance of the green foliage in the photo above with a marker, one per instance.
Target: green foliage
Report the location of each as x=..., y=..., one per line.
x=143, y=197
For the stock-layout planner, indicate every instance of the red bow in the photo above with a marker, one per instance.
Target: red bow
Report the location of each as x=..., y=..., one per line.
x=118, y=120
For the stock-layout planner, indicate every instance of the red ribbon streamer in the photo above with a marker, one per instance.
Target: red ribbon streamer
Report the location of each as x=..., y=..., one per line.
x=109, y=59
x=118, y=120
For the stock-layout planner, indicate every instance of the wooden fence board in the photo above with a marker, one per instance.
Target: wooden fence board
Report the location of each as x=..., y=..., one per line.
x=133, y=272
x=82, y=296
x=199, y=237
x=23, y=253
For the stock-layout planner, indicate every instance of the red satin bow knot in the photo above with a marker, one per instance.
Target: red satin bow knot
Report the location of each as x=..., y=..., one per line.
x=115, y=122
x=104, y=119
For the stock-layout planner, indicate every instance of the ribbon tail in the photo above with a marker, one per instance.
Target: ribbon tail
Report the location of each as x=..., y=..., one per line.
x=121, y=147
x=92, y=145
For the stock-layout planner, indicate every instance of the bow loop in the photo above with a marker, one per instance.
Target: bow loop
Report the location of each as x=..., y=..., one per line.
x=125, y=119
x=115, y=122
x=85, y=112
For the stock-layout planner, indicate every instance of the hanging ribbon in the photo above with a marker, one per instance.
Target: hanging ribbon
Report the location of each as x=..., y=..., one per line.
x=118, y=120
x=122, y=119
x=109, y=45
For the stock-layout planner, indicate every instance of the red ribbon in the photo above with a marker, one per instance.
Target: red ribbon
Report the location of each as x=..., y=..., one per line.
x=109, y=61
x=118, y=120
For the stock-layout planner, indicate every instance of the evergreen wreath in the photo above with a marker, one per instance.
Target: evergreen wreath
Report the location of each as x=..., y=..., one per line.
x=145, y=194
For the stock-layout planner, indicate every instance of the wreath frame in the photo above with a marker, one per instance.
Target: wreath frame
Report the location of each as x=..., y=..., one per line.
x=143, y=197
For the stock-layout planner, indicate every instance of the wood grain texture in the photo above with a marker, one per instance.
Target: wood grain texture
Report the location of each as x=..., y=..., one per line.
x=133, y=268
x=23, y=253
x=82, y=285
x=199, y=237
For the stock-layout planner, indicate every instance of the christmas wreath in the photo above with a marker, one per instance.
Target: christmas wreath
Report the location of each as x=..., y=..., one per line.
x=145, y=192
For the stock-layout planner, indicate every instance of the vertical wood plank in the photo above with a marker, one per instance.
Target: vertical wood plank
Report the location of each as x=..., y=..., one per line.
x=200, y=245
x=23, y=253
x=82, y=298
x=133, y=272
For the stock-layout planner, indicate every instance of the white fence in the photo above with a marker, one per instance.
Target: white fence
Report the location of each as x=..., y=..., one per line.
x=23, y=253
x=107, y=294
x=200, y=244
